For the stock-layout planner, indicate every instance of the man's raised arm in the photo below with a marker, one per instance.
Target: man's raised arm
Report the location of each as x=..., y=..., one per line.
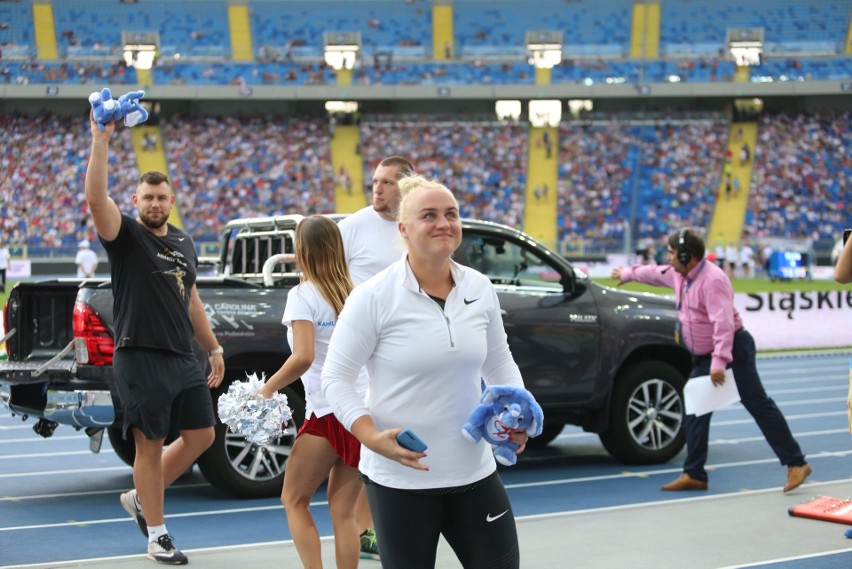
x=105, y=213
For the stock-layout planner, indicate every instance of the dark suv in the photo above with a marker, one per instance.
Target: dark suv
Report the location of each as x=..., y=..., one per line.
x=593, y=356
x=597, y=357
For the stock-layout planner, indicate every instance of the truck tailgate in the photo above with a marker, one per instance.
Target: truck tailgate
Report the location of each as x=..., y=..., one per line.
x=40, y=314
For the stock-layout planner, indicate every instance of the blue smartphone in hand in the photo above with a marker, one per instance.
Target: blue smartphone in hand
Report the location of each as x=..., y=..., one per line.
x=409, y=440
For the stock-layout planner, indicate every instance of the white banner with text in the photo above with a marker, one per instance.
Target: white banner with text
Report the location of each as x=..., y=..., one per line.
x=797, y=320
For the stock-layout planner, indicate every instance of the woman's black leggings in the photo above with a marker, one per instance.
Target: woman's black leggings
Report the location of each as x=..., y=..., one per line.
x=476, y=520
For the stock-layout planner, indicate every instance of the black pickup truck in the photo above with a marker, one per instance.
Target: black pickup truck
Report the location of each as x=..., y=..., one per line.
x=597, y=357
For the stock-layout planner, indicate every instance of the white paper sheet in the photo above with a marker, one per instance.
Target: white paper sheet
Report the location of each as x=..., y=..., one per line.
x=702, y=397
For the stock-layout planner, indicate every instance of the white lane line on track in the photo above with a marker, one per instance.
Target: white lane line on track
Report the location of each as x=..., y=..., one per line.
x=49, y=454
x=731, y=422
x=83, y=523
x=840, y=379
x=531, y=517
x=692, y=498
x=86, y=561
x=795, y=390
x=762, y=438
x=115, y=468
x=64, y=472
x=840, y=400
x=42, y=439
x=622, y=475
x=678, y=469
x=93, y=493
x=788, y=417
x=785, y=559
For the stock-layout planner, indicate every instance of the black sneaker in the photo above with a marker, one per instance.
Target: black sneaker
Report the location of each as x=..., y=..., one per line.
x=131, y=505
x=164, y=551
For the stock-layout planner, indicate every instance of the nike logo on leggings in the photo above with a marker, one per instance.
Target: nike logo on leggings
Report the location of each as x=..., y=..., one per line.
x=489, y=518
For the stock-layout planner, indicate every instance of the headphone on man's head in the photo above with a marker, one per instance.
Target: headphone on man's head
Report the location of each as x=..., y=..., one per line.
x=683, y=254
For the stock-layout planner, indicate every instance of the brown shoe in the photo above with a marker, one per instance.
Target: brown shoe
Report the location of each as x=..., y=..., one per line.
x=685, y=482
x=796, y=475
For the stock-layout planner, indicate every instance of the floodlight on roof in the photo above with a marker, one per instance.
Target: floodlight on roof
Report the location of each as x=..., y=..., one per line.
x=545, y=113
x=745, y=45
x=508, y=110
x=140, y=48
x=341, y=106
x=341, y=49
x=544, y=49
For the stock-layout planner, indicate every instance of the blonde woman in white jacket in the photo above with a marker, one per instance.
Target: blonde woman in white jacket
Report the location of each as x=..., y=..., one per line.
x=428, y=330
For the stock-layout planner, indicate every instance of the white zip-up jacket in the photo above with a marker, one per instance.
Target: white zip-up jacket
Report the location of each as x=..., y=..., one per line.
x=425, y=367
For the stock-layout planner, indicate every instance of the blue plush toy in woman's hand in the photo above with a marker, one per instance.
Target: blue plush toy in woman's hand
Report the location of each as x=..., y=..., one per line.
x=127, y=107
x=504, y=409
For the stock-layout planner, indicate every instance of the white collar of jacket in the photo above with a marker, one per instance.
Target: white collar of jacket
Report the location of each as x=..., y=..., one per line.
x=404, y=274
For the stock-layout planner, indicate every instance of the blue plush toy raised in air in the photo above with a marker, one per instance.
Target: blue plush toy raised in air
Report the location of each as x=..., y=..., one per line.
x=504, y=408
x=127, y=107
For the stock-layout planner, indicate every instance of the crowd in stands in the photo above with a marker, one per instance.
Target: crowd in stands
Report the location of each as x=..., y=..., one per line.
x=78, y=73
x=664, y=176
x=596, y=165
x=680, y=169
x=42, y=171
x=243, y=74
x=801, y=180
x=616, y=180
x=228, y=167
x=484, y=163
x=168, y=71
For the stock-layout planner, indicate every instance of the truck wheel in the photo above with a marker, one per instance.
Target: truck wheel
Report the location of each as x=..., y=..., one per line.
x=247, y=470
x=646, y=415
x=125, y=449
x=550, y=431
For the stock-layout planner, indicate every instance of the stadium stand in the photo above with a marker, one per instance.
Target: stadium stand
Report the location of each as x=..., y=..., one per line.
x=42, y=169
x=396, y=40
x=224, y=168
x=619, y=181
x=484, y=162
x=616, y=179
x=487, y=28
x=243, y=74
x=700, y=26
x=197, y=28
x=16, y=29
x=295, y=29
x=801, y=176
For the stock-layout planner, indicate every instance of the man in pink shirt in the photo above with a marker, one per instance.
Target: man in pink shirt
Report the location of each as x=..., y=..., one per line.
x=712, y=329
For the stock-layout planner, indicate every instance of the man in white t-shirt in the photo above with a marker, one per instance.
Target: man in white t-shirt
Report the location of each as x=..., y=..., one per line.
x=371, y=241
x=4, y=264
x=370, y=235
x=87, y=261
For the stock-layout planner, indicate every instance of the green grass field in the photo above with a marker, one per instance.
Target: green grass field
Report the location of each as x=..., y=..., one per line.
x=742, y=285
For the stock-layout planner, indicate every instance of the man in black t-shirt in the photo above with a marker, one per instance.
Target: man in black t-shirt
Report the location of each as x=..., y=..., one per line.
x=157, y=313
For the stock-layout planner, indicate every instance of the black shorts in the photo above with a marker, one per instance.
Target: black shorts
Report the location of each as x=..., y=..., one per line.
x=162, y=392
x=476, y=520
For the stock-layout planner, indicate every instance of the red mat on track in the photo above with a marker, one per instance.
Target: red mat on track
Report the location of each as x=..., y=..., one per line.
x=825, y=508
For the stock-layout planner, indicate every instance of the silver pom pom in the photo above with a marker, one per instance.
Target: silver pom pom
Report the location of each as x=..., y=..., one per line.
x=246, y=413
